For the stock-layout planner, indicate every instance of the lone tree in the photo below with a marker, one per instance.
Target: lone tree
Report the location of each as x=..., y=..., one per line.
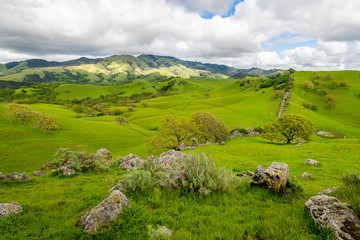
x=122, y=120
x=17, y=111
x=288, y=128
x=46, y=123
x=209, y=127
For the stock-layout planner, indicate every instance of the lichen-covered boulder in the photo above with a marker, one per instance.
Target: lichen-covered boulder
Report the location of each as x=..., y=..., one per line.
x=306, y=175
x=39, y=173
x=119, y=186
x=48, y=166
x=16, y=177
x=105, y=212
x=330, y=212
x=132, y=162
x=311, y=161
x=7, y=209
x=106, y=153
x=66, y=170
x=162, y=233
x=275, y=177
x=170, y=160
x=195, y=142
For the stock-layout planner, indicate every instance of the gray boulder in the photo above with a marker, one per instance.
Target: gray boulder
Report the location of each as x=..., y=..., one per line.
x=275, y=177
x=195, y=142
x=48, y=166
x=306, y=175
x=132, y=162
x=66, y=170
x=15, y=177
x=7, y=209
x=105, y=212
x=311, y=161
x=39, y=173
x=330, y=212
x=106, y=153
x=182, y=147
x=327, y=191
x=119, y=186
x=170, y=160
x=163, y=233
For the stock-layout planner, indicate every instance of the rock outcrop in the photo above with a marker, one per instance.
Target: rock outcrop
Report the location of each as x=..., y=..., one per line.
x=245, y=174
x=66, y=170
x=169, y=160
x=330, y=212
x=311, y=161
x=132, y=162
x=162, y=233
x=48, y=166
x=250, y=133
x=8, y=209
x=15, y=177
x=39, y=173
x=106, y=153
x=105, y=212
x=274, y=177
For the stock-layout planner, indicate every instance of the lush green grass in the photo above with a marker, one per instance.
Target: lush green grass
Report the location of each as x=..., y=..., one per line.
x=53, y=205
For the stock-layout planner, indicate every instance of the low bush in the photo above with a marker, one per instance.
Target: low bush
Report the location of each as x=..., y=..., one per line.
x=309, y=106
x=351, y=179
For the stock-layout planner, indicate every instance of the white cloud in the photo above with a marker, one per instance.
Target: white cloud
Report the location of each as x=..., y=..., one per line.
x=60, y=28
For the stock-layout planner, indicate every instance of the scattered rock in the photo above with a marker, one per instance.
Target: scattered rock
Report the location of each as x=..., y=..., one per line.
x=245, y=174
x=330, y=212
x=327, y=191
x=195, y=142
x=252, y=132
x=182, y=147
x=169, y=160
x=311, y=161
x=105, y=212
x=236, y=134
x=163, y=233
x=39, y=173
x=132, y=162
x=119, y=186
x=15, y=177
x=306, y=175
x=106, y=153
x=48, y=166
x=7, y=209
x=66, y=170
x=275, y=177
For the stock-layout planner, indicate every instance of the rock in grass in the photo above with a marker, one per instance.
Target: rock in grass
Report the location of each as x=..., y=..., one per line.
x=106, y=153
x=311, y=161
x=244, y=174
x=16, y=177
x=306, y=175
x=170, y=159
x=66, y=170
x=118, y=186
x=275, y=177
x=48, y=166
x=330, y=212
x=162, y=233
x=132, y=162
x=105, y=212
x=38, y=173
x=7, y=209
x=327, y=191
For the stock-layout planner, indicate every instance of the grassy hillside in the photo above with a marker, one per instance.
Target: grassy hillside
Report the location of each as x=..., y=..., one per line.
x=244, y=213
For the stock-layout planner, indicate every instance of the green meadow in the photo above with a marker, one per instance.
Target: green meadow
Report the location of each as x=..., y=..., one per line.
x=53, y=204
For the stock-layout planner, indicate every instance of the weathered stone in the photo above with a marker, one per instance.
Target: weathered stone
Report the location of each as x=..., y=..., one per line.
x=7, y=209
x=163, y=233
x=311, y=161
x=16, y=177
x=39, y=173
x=66, y=170
x=195, y=142
x=245, y=174
x=182, y=147
x=48, y=166
x=275, y=177
x=252, y=132
x=327, y=191
x=106, y=153
x=132, y=162
x=119, y=186
x=105, y=212
x=330, y=212
x=306, y=175
x=171, y=159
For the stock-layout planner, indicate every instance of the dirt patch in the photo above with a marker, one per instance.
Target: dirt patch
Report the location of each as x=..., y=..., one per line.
x=330, y=134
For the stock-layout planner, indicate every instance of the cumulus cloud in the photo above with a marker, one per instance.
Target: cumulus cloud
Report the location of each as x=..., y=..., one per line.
x=61, y=29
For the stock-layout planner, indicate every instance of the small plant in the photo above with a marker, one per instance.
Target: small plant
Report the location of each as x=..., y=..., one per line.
x=331, y=100
x=322, y=92
x=351, y=179
x=277, y=94
x=309, y=106
x=307, y=85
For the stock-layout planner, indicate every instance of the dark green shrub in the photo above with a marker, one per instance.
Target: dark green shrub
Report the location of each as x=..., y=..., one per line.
x=351, y=179
x=242, y=130
x=309, y=106
x=259, y=129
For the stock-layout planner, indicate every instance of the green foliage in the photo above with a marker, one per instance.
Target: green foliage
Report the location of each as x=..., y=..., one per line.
x=294, y=189
x=351, y=179
x=46, y=123
x=307, y=85
x=331, y=100
x=122, y=120
x=208, y=127
x=18, y=112
x=309, y=106
x=289, y=127
x=277, y=94
x=322, y=92
x=242, y=130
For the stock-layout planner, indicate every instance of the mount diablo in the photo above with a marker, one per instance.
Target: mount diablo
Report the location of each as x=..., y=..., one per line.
x=120, y=68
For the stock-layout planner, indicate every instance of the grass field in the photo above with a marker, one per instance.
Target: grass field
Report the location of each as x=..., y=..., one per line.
x=54, y=204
